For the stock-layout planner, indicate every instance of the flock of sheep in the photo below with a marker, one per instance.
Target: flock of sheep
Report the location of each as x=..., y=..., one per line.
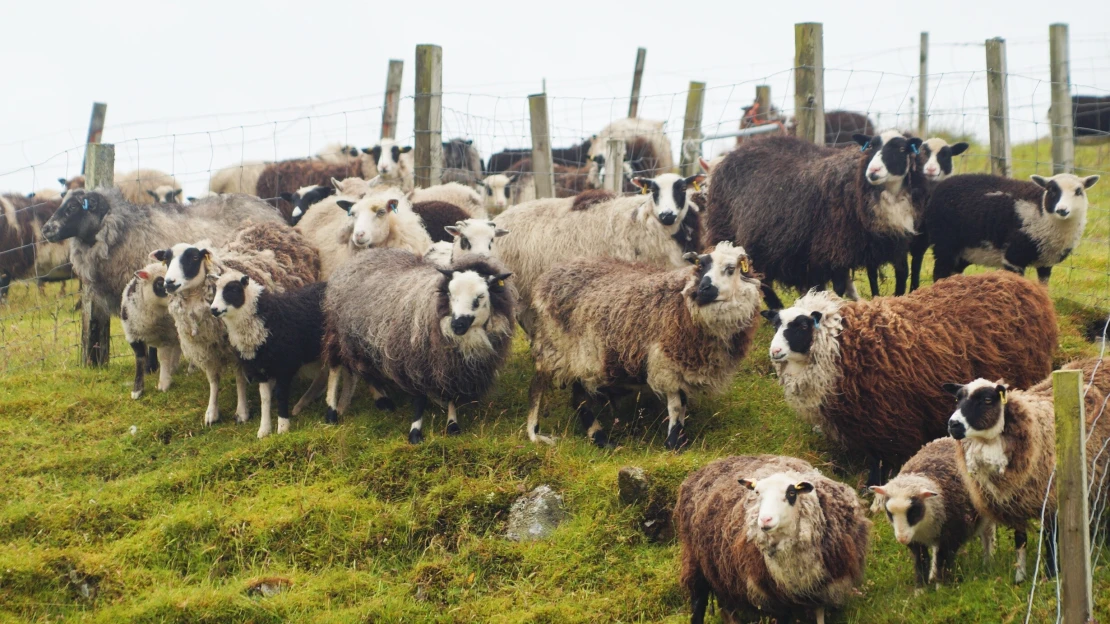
x=420, y=291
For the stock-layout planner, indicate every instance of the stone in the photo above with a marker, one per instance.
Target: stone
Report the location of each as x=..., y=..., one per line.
x=632, y=485
x=535, y=515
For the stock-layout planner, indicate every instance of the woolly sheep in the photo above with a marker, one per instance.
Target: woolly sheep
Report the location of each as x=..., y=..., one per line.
x=137, y=185
x=435, y=333
x=573, y=156
x=24, y=252
x=384, y=219
x=149, y=328
x=242, y=178
x=461, y=163
x=305, y=197
x=769, y=534
x=462, y=196
x=166, y=194
x=289, y=175
x=393, y=164
x=604, y=324
x=338, y=153
x=656, y=144
x=474, y=236
x=869, y=373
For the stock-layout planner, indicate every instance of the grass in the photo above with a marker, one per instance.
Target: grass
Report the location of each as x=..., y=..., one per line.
x=119, y=510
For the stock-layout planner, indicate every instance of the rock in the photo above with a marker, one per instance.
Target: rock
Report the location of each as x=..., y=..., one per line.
x=632, y=485
x=535, y=515
x=269, y=586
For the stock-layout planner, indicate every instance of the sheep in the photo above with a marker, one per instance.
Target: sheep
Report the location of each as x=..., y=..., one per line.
x=604, y=324
x=437, y=216
x=165, y=194
x=149, y=328
x=1091, y=115
x=766, y=534
x=841, y=125
x=241, y=178
x=656, y=228
x=338, y=154
x=931, y=512
x=657, y=145
x=76, y=182
x=573, y=156
x=384, y=219
x=393, y=164
x=1007, y=450
x=999, y=222
x=305, y=197
x=461, y=163
x=137, y=185
x=289, y=175
x=433, y=332
x=841, y=209
x=474, y=236
x=497, y=192
x=24, y=253
x=569, y=181
x=273, y=254
x=869, y=373
x=274, y=335
x=453, y=193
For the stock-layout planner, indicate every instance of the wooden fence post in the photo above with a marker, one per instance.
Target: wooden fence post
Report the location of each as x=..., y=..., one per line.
x=1074, y=554
x=923, y=88
x=1060, y=113
x=96, y=321
x=96, y=126
x=691, y=129
x=998, y=107
x=429, y=116
x=392, y=98
x=542, y=170
x=809, y=82
x=637, y=75
x=614, y=166
x=763, y=100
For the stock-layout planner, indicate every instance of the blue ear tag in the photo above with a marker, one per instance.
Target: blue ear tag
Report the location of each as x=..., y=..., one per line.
x=85, y=204
x=913, y=146
x=394, y=208
x=863, y=148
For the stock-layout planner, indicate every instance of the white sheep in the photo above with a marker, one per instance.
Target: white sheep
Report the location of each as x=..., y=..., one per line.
x=394, y=163
x=474, y=236
x=454, y=193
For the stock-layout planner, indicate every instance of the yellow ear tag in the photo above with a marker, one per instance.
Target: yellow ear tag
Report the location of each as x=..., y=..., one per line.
x=643, y=190
x=697, y=187
x=500, y=282
x=1002, y=397
x=743, y=265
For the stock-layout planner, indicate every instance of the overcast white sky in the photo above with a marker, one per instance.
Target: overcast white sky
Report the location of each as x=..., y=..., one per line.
x=194, y=86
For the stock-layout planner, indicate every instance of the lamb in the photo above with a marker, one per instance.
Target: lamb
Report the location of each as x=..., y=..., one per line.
x=501, y=190
x=147, y=324
x=931, y=512
x=24, y=253
x=473, y=236
x=453, y=193
x=166, y=194
x=1007, y=450
x=393, y=164
x=783, y=540
x=272, y=254
x=573, y=156
x=606, y=324
x=869, y=373
x=274, y=335
x=999, y=222
x=435, y=333
x=656, y=228
x=137, y=185
x=241, y=178
x=631, y=129
x=289, y=175
x=841, y=210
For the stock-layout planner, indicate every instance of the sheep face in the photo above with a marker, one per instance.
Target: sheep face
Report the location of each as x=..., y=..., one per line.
x=152, y=280
x=370, y=218
x=1065, y=194
x=794, y=332
x=165, y=195
x=778, y=498
x=891, y=158
x=233, y=292
x=907, y=509
x=980, y=412
x=305, y=197
x=497, y=190
x=935, y=158
x=186, y=266
x=79, y=217
x=388, y=157
x=468, y=304
x=474, y=236
x=670, y=195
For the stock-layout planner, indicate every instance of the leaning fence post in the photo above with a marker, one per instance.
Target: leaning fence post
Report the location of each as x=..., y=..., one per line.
x=809, y=82
x=428, y=158
x=998, y=107
x=96, y=321
x=392, y=98
x=1074, y=554
x=1060, y=113
x=637, y=75
x=96, y=125
x=614, y=166
x=691, y=129
x=923, y=87
x=542, y=171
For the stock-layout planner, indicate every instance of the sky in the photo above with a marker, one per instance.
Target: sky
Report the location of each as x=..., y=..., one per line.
x=195, y=86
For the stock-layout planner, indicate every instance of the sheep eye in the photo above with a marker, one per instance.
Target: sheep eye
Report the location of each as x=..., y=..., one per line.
x=1079, y=192
x=381, y=213
x=729, y=270
x=464, y=242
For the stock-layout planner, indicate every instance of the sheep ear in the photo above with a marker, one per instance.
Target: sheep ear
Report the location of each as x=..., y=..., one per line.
x=335, y=183
x=748, y=483
x=406, y=149
x=691, y=257
x=1039, y=181
x=600, y=160
x=244, y=281
x=816, y=316
x=159, y=255
x=695, y=181
x=863, y=140
x=391, y=205
x=287, y=197
x=704, y=164
x=1090, y=181
x=913, y=145
x=452, y=230
x=770, y=315
x=958, y=148
x=62, y=181
x=1001, y=393
x=803, y=487
x=927, y=494
x=641, y=183
x=877, y=489
x=448, y=273
x=951, y=388
x=176, y=193
x=500, y=232
x=152, y=194
x=367, y=150
x=143, y=275
x=345, y=205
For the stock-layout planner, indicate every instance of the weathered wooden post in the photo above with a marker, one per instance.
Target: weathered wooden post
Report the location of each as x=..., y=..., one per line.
x=1074, y=554
x=542, y=170
x=763, y=101
x=1060, y=113
x=998, y=107
x=614, y=166
x=923, y=88
x=96, y=321
x=96, y=126
x=691, y=129
x=809, y=82
x=637, y=75
x=428, y=158
x=392, y=98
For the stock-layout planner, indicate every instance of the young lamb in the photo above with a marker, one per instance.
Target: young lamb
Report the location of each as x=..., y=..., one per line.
x=272, y=254
x=869, y=373
x=573, y=156
x=288, y=176
x=841, y=210
x=769, y=534
x=274, y=335
x=147, y=324
x=604, y=324
x=24, y=252
x=469, y=236
x=435, y=333
x=999, y=222
x=1007, y=450
x=498, y=190
x=654, y=151
x=145, y=186
x=242, y=178
x=452, y=193
x=393, y=164
x=437, y=216
x=931, y=511
x=656, y=228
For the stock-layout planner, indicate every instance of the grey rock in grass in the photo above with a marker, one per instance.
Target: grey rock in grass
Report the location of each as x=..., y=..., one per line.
x=535, y=515
x=632, y=485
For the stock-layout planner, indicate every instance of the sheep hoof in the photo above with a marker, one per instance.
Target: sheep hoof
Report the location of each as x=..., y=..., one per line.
x=211, y=417
x=283, y=425
x=242, y=417
x=163, y=387
x=331, y=417
x=676, y=439
x=263, y=432
x=385, y=404
x=416, y=436
x=151, y=368
x=1019, y=577
x=544, y=439
x=135, y=394
x=453, y=429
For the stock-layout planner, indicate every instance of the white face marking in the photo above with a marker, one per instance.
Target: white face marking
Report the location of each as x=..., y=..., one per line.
x=469, y=296
x=780, y=348
x=475, y=236
x=175, y=274
x=775, y=513
x=371, y=218
x=1073, y=196
x=877, y=173
x=386, y=163
x=667, y=209
x=932, y=168
x=727, y=271
x=985, y=435
x=495, y=188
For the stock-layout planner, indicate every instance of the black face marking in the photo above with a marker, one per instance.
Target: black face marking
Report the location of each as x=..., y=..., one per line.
x=791, y=495
x=1052, y=196
x=464, y=242
x=507, y=190
x=234, y=294
x=159, y=287
x=376, y=152
x=895, y=155
x=916, y=512
x=191, y=261
x=799, y=333
x=679, y=193
x=396, y=151
x=981, y=408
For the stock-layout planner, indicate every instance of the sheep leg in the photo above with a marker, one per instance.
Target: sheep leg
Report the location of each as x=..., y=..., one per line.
x=319, y=384
x=676, y=426
x=820, y=615
x=901, y=274
x=699, y=600
x=152, y=360
x=332, y=415
x=1050, y=546
x=944, y=263
x=841, y=280
x=540, y=382
x=350, y=382
x=1020, y=541
x=265, y=395
x=416, y=429
x=873, y=279
x=139, y=349
x=452, y=420
x=381, y=401
x=242, y=403
x=987, y=536
x=921, y=563
x=282, y=393
x=212, y=414
x=918, y=246
x=875, y=471
x=587, y=416
x=171, y=358
x=1043, y=273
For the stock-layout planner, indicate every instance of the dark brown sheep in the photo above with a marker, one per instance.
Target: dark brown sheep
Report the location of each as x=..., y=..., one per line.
x=288, y=176
x=437, y=215
x=23, y=251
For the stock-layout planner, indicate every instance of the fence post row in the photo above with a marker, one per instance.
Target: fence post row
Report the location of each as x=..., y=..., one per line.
x=392, y=98
x=998, y=107
x=923, y=87
x=809, y=82
x=614, y=166
x=691, y=129
x=96, y=321
x=1074, y=555
x=428, y=157
x=542, y=170
x=637, y=74
x=1060, y=113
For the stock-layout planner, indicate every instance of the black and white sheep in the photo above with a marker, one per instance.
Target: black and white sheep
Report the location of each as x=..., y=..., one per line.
x=769, y=535
x=471, y=236
x=439, y=334
x=1000, y=222
x=393, y=164
x=305, y=197
x=166, y=194
x=288, y=176
x=149, y=327
x=437, y=216
x=461, y=163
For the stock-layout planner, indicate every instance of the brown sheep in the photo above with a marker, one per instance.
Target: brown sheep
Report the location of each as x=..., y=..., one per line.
x=23, y=251
x=288, y=176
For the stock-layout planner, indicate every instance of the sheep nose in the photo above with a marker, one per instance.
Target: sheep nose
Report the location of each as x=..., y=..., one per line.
x=766, y=524
x=873, y=175
x=903, y=539
x=776, y=351
x=668, y=218
x=216, y=312
x=461, y=324
x=956, y=429
x=172, y=286
x=1063, y=212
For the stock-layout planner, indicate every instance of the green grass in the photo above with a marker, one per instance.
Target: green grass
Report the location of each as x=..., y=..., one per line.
x=176, y=522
